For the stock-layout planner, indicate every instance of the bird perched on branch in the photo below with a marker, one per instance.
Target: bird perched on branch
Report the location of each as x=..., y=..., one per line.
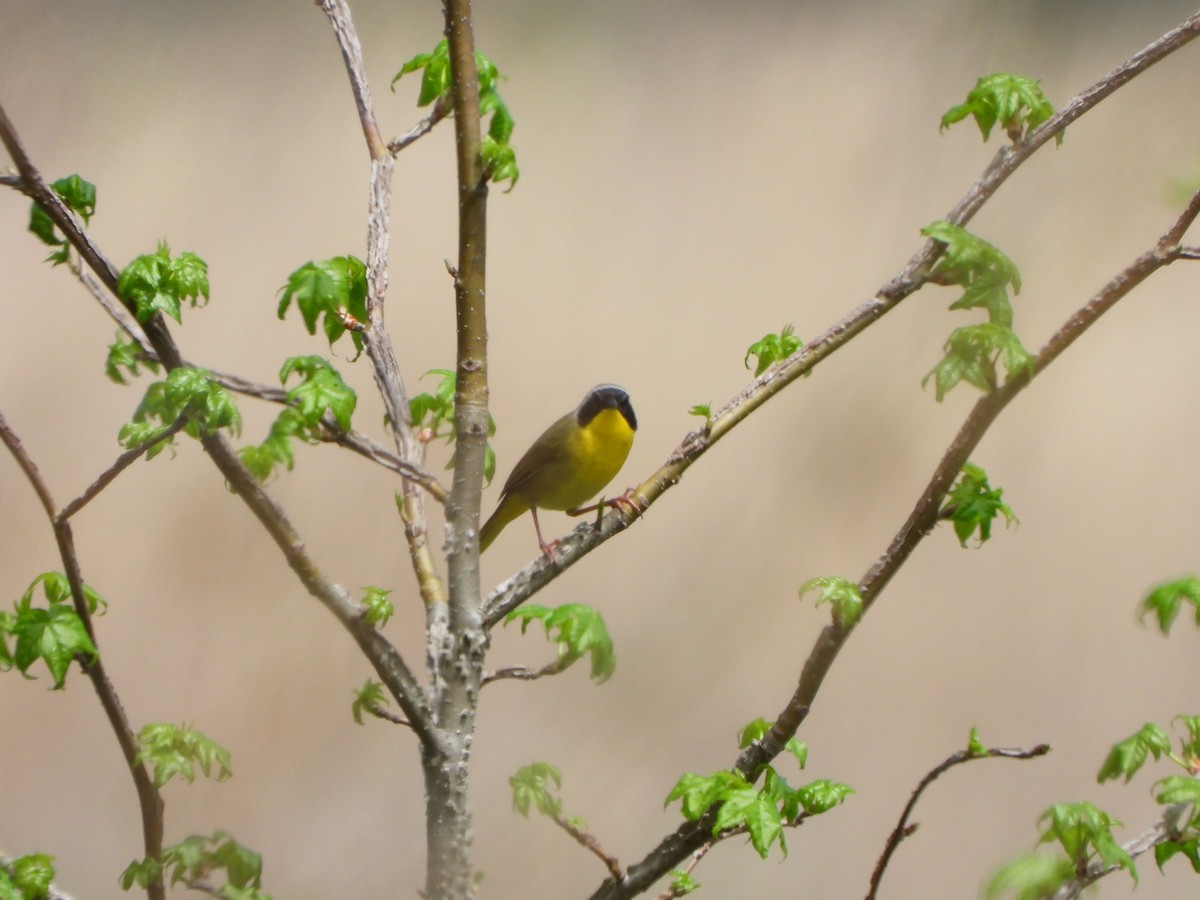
x=569, y=464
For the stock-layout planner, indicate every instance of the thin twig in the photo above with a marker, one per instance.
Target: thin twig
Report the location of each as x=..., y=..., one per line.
x=903, y=829
x=591, y=843
x=584, y=539
x=122, y=462
x=380, y=712
x=440, y=110
x=696, y=855
x=522, y=673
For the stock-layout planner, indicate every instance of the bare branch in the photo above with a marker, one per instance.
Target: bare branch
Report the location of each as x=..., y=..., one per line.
x=903, y=829
x=523, y=673
x=347, y=38
x=123, y=461
x=441, y=109
x=590, y=843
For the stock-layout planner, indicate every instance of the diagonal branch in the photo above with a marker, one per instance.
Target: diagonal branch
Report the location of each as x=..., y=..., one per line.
x=910, y=278
x=150, y=801
x=904, y=830
x=690, y=835
x=383, y=656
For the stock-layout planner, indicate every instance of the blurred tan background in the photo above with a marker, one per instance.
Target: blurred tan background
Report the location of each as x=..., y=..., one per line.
x=694, y=175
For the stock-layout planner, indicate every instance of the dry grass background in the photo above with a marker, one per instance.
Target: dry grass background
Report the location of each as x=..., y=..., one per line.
x=695, y=174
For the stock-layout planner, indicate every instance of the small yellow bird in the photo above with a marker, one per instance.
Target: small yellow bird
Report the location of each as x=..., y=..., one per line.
x=569, y=464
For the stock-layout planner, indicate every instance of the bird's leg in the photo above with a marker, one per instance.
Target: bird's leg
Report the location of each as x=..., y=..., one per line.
x=547, y=549
x=626, y=499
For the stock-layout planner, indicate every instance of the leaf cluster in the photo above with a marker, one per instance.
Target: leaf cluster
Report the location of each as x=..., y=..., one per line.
x=194, y=860
x=1128, y=756
x=761, y=812
x=577, y=630
x=333, y=290
x=124, y=353
x=27, y=877
x=973, y=504
x=496, y=152
x=841, y=594
x=1168, y=598
x=1084, y=832
x=531, y=789
x=175, y=750
x=1018, y=104
x=432, y=414
x=371, y=699
x=159, y=283
x=771, y=348
x=78, y=194
x=321, y=393
x=187, y=394
x=54, y=633
x=985, y=275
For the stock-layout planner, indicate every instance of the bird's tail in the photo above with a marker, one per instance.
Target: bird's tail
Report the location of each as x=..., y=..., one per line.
x=510, y=508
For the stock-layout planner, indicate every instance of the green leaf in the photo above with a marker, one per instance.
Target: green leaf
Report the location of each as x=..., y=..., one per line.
x=983, y=271
x=378, y=607
x=79, y=195
x=1030, y=877
x=1190, y=746
x=972, y=353
x=1166, y=600
x=682, y=883
x=497, y=155
x=175, y=750
x=974, y=746
x=697, y=793
x=321, y=390
x=435, y=411
x=29, y=876
x=771, y=348
x=1082, y=829
x=973, y=504
x=189, y=393
x=753, y=810
x=335, y=289
x=1189, y=847
x=1017, y=103
x=578, y=630
x=158, y=283
x=843, y=595
x=368, y=698
x=55, y=635
x=196, y=859
x=124, y=353
x=1177, y=789
x=56, y=588
x=823, y=795
x=531, y=788
x=1129, y=755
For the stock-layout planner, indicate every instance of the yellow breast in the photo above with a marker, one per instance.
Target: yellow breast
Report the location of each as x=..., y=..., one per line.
x=595, y=455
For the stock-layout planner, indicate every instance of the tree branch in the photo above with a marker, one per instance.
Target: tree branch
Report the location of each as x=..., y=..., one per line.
x=584, y=539
x=388, y=664
x=150, y=802
x=690, y=835
x=903, y=829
